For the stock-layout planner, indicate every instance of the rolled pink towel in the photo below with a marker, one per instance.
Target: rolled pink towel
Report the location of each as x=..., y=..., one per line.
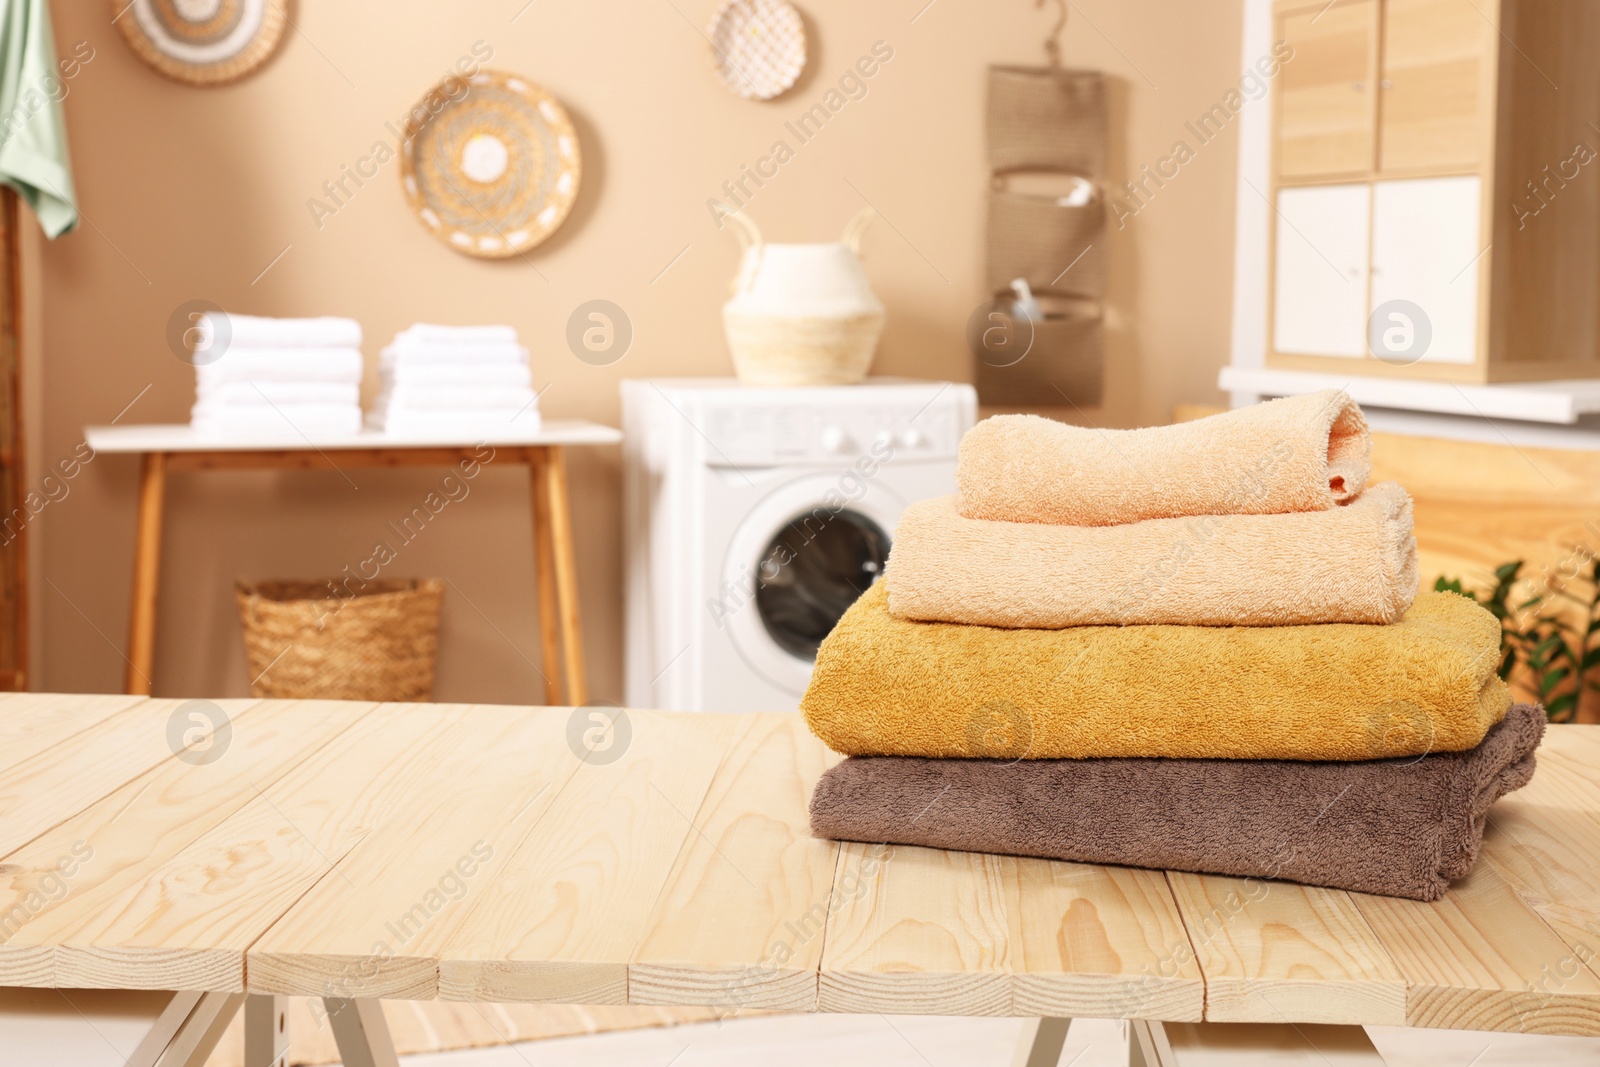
x=1301, y=453
x=1354, y=563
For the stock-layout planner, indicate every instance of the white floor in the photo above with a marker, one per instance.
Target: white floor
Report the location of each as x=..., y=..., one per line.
x=919, y=1041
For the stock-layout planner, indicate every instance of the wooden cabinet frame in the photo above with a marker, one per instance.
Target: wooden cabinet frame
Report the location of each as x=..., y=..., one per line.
x=13, y=468
x=1517, y=333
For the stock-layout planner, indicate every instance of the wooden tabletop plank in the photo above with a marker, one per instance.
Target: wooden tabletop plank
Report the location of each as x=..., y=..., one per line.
x=964, y=933
x=33, y=722
x=927, y=932
x=685, y=870
x=1102, y=942
x=1544, y=840
x=422, y=867
x=562, y=918
x=1472, y=960
x=188, y=923
x=739, y=924
x=146, y=822
x=1280, y=952
x=57, y=783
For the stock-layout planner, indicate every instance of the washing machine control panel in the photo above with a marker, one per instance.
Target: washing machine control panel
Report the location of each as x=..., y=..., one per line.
x=765, y=435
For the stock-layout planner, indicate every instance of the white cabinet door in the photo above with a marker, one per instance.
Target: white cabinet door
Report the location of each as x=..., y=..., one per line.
x=1425, y=252
x=1320, y=284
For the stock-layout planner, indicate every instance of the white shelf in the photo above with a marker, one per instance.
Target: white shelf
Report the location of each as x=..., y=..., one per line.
x=180, y=437
x=1553, y=403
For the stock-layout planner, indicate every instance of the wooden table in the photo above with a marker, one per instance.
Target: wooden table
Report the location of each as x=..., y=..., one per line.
x=357, y=852
x=176, y=448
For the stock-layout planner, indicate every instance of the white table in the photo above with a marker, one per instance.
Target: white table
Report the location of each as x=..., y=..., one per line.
x=179, y=447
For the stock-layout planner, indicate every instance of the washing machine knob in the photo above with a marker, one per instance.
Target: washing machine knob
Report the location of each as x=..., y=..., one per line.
x=885, y=439
x=913, y=439
x=834, y=440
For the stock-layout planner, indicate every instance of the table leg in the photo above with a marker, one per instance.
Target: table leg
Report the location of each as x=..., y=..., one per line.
x=146, y=574
x=1041, y=1042
x=558, y=520
x=360, y=1031
x=544, y=559
x=266, y=1031
x=1148, y=1045
x=195, y=1038
x=166, y=1027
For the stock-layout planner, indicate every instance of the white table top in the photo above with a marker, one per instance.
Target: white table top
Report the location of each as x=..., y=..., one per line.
x=1560, y=403
x=180, y=437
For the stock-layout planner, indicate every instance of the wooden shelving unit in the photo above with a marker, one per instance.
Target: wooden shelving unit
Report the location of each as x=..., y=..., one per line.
x=13, y=516
x=1436, y=170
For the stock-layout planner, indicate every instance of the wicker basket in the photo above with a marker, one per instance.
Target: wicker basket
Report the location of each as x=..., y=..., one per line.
x=302, y=642
x=802, y=350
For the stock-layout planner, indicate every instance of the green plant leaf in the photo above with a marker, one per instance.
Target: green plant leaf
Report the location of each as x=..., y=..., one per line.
x=1507, y=571
x=1544, y=648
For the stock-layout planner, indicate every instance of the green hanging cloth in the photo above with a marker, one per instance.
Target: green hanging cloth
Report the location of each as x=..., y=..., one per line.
x=33, y=133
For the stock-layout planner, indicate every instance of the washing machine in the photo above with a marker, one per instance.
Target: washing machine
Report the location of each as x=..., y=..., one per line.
x=755, y=517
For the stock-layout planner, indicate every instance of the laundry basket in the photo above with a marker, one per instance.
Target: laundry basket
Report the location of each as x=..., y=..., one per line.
x=376, y=642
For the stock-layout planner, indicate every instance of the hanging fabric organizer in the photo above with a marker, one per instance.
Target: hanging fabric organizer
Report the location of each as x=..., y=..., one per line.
x=1046, y=126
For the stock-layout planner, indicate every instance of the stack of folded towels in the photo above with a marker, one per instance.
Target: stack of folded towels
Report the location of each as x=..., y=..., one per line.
x=259, y=376
x=445, y=381
x=1195, y=647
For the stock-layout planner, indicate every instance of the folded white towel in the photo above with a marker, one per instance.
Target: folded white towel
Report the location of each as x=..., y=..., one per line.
x=282, y=365
x=455, y=424
x=512, y=374
x=461, y=397
x=268, y=392
x=254, y=331
x=430, y=333
x=420, y=354
x=285, y=420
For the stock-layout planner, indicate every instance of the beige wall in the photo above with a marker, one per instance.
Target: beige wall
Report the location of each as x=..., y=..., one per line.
x=191, y=194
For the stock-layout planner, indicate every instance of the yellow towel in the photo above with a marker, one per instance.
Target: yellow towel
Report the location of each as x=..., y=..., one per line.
x=1337, y=691
x=1301, y=453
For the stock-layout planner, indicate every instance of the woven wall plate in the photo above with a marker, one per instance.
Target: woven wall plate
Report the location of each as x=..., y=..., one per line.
x=203, y=42
x=490, y=164
x=758, y=47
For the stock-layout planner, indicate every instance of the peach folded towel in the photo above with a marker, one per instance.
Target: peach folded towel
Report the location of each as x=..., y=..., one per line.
x=1301, y=453
x=1355, y=563
x=884, y=686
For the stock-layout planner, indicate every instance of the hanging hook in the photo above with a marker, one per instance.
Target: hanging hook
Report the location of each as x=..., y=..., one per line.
x=1052, y=44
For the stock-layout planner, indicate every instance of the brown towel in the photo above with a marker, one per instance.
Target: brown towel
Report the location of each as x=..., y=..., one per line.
x=1356, y=563
x=1301, y=453
x=1398, y=827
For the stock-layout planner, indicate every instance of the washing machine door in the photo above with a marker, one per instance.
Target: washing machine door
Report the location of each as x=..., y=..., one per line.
x=800, y=558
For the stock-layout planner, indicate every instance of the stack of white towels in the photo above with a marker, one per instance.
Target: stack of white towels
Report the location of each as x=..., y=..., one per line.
x=268, y=377
x=446, y=381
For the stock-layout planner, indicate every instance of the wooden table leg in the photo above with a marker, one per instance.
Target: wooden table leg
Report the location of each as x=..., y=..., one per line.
x=1041, y=1042
x=266, y=1031
x=361, y=1032
x=553, y=521
x=146, y=574
x=544, y=558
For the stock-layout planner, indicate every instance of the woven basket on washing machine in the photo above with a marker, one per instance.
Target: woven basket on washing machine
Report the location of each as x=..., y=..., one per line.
x=802, y=314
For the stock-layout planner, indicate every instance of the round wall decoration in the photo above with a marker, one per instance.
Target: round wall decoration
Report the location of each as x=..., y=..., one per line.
x=758, y=47
x=203, y=42
x=490, y=164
